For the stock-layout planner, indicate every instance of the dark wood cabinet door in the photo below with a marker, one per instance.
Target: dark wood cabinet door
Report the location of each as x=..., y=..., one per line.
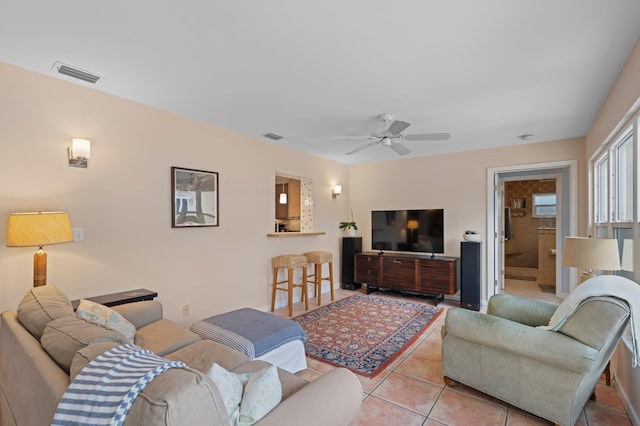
x=437, y=276
x=399, y=273
x=366, y=269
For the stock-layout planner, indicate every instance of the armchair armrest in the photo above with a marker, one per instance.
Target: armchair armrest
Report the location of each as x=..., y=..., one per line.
x=546, y=346
x=520, y=309
x=140, y=313
x=341, y=395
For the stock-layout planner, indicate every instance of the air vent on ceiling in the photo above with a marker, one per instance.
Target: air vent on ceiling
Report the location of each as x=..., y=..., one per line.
x=76, y=73
x=273, y=136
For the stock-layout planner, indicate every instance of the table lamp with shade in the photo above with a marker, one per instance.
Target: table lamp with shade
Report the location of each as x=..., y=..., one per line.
x=591, y=254
x=37, y=230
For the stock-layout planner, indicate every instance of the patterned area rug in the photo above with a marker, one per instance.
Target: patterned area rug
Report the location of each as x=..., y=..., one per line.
x=364, y=333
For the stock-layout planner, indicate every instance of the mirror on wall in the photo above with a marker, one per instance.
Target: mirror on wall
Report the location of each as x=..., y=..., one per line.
x=293, y=204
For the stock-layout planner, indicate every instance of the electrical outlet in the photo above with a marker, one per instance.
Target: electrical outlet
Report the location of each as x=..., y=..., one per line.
x=186, y=310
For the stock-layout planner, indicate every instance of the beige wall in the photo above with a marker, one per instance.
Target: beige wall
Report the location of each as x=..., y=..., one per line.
x=623, y=98
x=455, y=182
x=123, y=199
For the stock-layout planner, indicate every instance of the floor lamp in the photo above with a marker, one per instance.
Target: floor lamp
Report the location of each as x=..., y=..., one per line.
x=591, y=254
x=37, y=230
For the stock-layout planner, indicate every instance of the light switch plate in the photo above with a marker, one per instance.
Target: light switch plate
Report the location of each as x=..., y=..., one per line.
x=78, y=234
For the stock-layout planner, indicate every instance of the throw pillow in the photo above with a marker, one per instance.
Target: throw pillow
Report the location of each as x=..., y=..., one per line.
x=230, y=388
x=65, y=336
x=40, y=305
x=262, y=393
x=105, y=316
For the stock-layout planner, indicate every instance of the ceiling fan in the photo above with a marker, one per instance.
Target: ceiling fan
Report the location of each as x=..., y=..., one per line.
x=391, y=136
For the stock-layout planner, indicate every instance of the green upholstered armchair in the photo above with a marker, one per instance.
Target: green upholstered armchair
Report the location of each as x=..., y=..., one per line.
x=551, y=374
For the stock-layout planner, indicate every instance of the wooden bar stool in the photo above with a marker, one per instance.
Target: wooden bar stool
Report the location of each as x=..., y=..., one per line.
x=290, y=262
x=317, y=258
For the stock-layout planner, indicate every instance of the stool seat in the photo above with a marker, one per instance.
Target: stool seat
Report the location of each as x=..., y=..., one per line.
x=317, y=259
x=290, y=262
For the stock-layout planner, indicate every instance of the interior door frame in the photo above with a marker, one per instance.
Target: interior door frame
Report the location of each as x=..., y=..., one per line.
x=495, y=250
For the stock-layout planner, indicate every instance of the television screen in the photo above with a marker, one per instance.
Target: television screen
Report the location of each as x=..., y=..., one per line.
x=408, y=230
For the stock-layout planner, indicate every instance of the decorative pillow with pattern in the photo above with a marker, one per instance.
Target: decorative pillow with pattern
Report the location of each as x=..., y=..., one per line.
x=262, y=393
x=105, y=316
x=248, y=397
x=230, y=388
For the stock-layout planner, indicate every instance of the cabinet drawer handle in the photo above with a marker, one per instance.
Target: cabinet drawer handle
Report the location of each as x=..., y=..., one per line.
x=399, y=262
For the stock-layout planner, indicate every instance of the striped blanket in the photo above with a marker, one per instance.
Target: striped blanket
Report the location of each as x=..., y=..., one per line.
x=249, y=331
x=103, y=392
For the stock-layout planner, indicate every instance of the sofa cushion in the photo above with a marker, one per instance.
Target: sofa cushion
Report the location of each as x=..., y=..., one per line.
x=87, y=354
x=202, y=354
x=40, y=305
x=179, y=396
x=63, y=337
x=103, y=315
x=163, y=337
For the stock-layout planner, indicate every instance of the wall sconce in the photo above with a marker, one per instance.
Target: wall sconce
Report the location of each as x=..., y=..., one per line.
x=79, y=153
x=336, y=190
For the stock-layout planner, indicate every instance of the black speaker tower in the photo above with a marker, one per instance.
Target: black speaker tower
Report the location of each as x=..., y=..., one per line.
x=350, y=246
x=470, y=254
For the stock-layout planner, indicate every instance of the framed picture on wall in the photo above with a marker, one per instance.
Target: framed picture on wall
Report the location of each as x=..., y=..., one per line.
x=194, y=198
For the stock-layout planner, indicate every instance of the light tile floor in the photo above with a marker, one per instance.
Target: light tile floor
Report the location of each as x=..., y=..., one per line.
x=411, y=390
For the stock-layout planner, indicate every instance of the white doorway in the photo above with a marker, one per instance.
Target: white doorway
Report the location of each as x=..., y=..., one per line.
x=565, y=174
x=532, y=219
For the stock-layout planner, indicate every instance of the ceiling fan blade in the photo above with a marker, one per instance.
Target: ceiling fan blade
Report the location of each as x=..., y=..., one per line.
x=428, y=137
x=362, y=147
x=397, y=126
x=353, y=137
x=399, y=148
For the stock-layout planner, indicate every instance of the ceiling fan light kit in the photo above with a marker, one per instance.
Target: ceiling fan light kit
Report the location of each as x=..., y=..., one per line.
x=392, y=136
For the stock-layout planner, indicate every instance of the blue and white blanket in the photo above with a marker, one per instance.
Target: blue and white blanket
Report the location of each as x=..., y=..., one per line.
x=103, y=392
x=249, y=331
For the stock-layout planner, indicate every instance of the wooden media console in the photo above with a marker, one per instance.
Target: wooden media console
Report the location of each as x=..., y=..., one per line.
x=408, y=273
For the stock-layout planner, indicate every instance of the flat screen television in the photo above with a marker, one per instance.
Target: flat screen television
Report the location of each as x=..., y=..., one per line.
x=408, y=230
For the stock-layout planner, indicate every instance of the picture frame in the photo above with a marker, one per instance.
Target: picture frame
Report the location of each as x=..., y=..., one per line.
x=194, y=198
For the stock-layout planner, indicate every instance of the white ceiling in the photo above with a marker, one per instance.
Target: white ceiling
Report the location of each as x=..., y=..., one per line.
x=484, y=71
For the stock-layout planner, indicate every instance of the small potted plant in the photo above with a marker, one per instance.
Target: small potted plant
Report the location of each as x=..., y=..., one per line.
x=349, y=227
x=471, y=235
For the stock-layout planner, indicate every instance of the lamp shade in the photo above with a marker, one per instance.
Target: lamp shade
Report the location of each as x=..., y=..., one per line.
x=591, y=253
x=38, y=229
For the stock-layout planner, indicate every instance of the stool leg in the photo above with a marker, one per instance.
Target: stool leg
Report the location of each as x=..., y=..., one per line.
x=317, y=281
x=305, y=290
x=290, y=291
x=273, y=296
x=313, y=265
x=331, y=278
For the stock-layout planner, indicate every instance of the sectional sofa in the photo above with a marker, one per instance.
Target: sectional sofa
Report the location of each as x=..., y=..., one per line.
x=44, y=345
